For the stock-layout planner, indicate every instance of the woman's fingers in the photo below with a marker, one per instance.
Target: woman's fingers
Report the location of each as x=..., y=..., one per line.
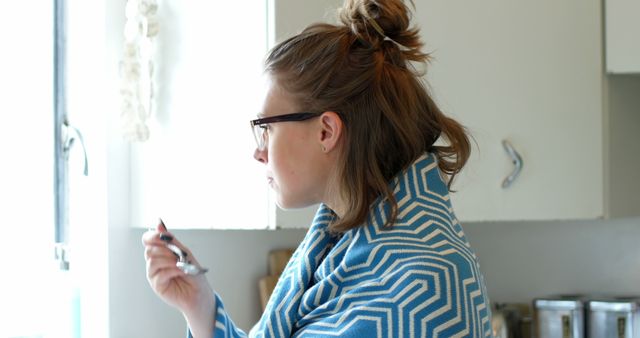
x=163, y=278
x=161, y=261
x=159, y=257
x=165, y=236
x=152, y=242
x=155, y=265
x=168, y=281
x=160, y=238
x=153, y=237
x=161, y=250
x=182, y=247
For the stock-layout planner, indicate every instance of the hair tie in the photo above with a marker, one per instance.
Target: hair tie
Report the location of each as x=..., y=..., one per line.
x=380, y=31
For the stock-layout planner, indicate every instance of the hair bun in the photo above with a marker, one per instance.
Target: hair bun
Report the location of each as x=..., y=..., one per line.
x=375, y=20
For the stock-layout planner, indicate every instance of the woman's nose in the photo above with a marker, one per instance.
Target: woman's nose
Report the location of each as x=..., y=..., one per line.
x=260, y=155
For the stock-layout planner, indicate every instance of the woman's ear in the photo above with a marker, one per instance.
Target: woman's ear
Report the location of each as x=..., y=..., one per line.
x=331, y=130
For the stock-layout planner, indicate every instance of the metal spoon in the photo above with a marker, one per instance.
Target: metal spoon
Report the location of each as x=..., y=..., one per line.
x=183, y=264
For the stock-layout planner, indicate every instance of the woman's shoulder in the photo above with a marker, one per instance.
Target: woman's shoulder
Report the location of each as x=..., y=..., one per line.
x=423, y=204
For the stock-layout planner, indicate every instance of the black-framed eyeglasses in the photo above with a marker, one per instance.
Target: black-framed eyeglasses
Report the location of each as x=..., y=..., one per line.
x=260, y=131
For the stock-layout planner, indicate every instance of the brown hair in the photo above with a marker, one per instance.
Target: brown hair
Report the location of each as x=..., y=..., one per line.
x=390, y=119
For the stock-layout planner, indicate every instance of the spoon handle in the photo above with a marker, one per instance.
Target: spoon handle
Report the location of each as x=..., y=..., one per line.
x=182, y=256
x=182, y=263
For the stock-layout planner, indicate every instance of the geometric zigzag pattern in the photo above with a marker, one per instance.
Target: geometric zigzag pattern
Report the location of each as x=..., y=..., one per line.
x=418, y=278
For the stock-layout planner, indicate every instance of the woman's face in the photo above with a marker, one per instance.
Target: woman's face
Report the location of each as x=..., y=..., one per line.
x=293, y=155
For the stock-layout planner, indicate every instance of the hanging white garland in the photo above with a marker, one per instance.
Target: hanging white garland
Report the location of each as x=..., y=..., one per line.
x=136, y=68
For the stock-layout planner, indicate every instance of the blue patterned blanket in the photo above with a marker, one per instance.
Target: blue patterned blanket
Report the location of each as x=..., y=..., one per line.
x=418, y=278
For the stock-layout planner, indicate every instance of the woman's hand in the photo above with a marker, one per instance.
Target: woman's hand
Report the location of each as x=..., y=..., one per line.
x=192, y=295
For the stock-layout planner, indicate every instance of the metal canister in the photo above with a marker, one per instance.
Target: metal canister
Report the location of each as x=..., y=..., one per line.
x=615, y=318
x=559, y=317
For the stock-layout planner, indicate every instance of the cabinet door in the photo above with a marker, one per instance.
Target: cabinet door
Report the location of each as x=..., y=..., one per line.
x=289, y=17
x=530, y=73
x=622, y=42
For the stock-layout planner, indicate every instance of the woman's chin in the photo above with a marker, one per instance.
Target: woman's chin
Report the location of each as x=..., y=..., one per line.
x=287, y=204
x=284, y=205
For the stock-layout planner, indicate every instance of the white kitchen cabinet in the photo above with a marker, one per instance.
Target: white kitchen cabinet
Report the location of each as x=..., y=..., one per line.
x=622, y=27
x=531, y=73
x=288, y=17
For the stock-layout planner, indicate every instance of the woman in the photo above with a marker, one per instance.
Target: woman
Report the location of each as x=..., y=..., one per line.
x=347, y=123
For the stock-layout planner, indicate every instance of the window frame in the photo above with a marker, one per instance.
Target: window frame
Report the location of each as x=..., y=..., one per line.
x=61, y=168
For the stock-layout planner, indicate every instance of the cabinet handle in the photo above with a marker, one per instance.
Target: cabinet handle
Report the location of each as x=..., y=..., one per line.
x=517, y=163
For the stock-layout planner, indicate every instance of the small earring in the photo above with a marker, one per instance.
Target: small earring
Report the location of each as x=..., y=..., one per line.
x=324, y=148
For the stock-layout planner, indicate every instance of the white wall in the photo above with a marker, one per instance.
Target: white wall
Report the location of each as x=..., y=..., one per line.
x=521, y=261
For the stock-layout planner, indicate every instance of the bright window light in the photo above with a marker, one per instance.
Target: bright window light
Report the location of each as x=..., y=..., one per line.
x=35, y=297
x=197, y=169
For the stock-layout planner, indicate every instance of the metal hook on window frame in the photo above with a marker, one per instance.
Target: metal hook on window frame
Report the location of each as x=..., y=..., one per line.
x=70, y=133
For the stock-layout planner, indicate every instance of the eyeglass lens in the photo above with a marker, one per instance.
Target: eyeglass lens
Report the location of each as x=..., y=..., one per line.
x=260, y=134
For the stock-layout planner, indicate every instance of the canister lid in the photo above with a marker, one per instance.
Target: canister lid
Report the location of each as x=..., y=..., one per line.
x=559, y=303
x=614, y=305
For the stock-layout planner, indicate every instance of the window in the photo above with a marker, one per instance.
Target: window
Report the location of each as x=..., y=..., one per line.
x=197, y=168
x=37, y=297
